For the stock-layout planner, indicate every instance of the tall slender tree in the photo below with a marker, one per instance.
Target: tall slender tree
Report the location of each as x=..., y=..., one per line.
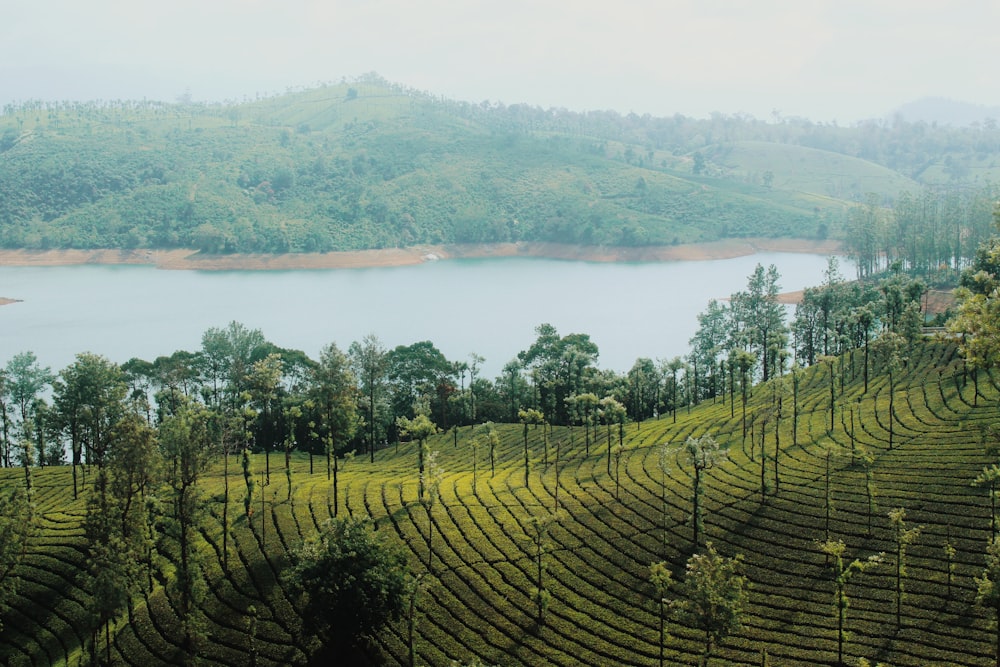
x=662, y=580
x=903, y=537
x=186, y=442
x=368, y=361
x=334, y=390
x=842, y=575
x=701, y=453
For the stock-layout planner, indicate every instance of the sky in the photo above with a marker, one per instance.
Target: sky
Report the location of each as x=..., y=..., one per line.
x=826, y=60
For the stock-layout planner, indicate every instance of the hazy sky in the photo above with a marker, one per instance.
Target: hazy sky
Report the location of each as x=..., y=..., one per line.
x=827, y=60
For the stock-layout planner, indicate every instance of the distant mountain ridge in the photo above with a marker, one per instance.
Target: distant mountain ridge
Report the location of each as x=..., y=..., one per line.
x=944, y=111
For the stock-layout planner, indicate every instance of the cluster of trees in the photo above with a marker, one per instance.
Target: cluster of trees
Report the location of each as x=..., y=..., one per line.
x=934, y=234
x=354, y=400
x=750, y=340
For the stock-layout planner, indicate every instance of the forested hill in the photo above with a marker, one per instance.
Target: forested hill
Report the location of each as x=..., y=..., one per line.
x=369, y=164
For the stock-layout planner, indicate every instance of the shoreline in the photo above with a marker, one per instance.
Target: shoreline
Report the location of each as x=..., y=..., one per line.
x=192, y=260
x=187, y=260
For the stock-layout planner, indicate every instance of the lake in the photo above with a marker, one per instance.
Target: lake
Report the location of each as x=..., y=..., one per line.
x=485, y=306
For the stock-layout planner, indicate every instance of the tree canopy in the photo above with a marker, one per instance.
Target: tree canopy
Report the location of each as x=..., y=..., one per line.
x=351, y=581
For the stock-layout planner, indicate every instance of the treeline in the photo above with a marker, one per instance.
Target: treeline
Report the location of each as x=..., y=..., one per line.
x=354, y=400
x=931, y=234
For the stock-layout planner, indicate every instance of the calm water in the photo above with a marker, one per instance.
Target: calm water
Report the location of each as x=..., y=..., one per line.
x=489, y=307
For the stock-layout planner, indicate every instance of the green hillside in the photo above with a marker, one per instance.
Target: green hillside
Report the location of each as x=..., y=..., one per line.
x=610, y=527
x=810, y=170
x=369, y=164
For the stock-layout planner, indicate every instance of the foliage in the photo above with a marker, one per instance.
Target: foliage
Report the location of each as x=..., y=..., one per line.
x=597, y=609
x=662, y=580
x=350, y=582
x=979, y=307
x=16, y=527
x=701, y=453
x=371, y=164
x=715, y=594
x=842, y=574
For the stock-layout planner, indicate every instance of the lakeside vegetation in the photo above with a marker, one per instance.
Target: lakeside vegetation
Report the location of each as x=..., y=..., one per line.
x=558, y=514
x=369, y=164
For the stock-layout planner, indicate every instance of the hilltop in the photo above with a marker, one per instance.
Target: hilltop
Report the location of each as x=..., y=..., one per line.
x=370, y=165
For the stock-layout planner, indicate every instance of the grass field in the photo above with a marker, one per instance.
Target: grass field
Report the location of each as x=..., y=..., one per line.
x=479, y=603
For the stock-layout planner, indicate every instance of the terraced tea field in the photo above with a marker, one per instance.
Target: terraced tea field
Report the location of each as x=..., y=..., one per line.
x=609, y=528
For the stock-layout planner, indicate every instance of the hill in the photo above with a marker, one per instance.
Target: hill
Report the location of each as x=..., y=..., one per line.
x=369, y=164
x=616, y=517
x=942, y=110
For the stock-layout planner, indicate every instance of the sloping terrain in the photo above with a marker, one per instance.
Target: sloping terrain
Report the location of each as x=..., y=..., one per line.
x=609, y=528
x=369, y=164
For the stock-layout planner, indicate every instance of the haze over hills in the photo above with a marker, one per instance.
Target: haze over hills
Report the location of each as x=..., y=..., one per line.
x=370, y=164
x=946, y=111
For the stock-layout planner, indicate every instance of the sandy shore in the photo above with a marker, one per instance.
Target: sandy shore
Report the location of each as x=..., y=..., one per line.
x=192, y=260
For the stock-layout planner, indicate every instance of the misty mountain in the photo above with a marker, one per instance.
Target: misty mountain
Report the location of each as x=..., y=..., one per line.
x=945, y=111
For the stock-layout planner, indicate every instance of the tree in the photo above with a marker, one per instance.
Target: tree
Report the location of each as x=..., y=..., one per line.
x=526, y=417
x=643, y=389
x=760, y=318
x=368, y=361
x=989, y=477
x=475, y=361
x=414, y=585
x=415, y=373
x=586, y=405
x=664, y=454
x=89, y=400
x=978, y=317
x=185, y=441
x=868, y=464
x=227, y=358
x=334, y=391
x=903, y=537
x=419, y=428
x=538, y=533
x=744, y=362
x=493, y=440
x=701, y=453
x=432, y=476
x=292, y=415
x=662, y=580
x=17, y=520
x=560, y=366
x=247, y=463
x=25, y=379
x=264, y=383
x=890, y=351
x=708, y=342
x=841, y=576
x=350, y=582
x=988, y=589
x=714, y=593
x=949, y=555
x=613, y=412
x=136, y=470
